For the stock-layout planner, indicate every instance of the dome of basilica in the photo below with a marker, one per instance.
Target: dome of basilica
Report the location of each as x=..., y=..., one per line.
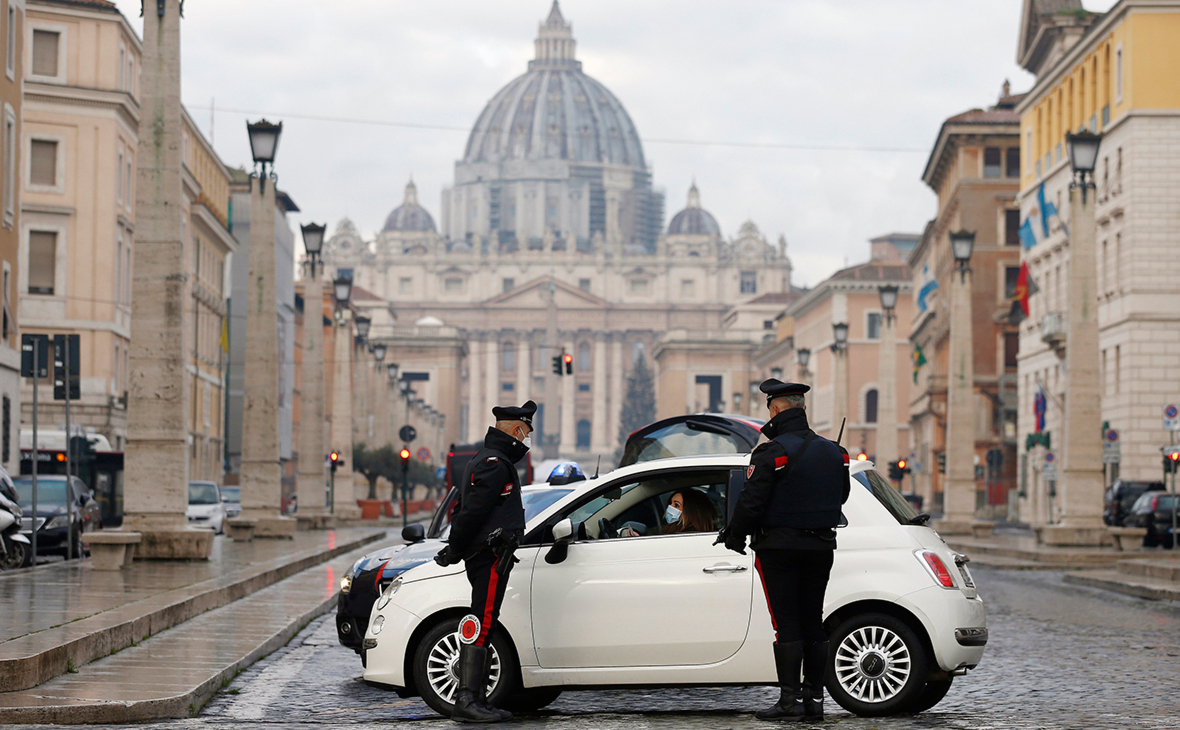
x=554, y=111
x=694, y=220
x=409, y=216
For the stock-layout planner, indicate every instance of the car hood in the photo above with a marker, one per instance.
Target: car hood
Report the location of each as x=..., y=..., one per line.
x=201, y=510
x=399, y=558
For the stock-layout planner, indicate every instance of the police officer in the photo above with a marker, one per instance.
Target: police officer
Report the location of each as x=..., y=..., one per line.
x=484, y=532
x=790, y=505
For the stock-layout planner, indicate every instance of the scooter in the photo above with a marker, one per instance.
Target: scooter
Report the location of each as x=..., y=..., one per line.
x=15, y=549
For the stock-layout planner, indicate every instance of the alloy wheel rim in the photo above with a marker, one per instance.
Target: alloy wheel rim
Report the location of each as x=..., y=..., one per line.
x=442, y=667
x=872, y=664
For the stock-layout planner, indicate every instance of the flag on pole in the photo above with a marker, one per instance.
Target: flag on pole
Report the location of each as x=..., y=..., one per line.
x=926, y=289
x=919, y=360
x=1039, y=406
x=1026, y=286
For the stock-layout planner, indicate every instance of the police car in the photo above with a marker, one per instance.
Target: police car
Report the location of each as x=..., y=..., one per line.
x=588, y=608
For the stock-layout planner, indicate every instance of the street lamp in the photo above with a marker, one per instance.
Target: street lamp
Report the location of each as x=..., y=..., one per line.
x=804, y=356
x=776, y=373
x=840, y=336
x=379, y=352
x=392, y=368
x=962, y=244
x=888, y=294
x=313, y=242
x=264, y=142
x=362, y=327
x=1083, y=158
x=342, y=287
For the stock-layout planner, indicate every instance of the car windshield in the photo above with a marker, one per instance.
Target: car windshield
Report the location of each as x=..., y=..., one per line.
x=231, y=494
x=48, y=490
x=686, y=438
x=202, y=493
x=534, y=500
x=892, y=500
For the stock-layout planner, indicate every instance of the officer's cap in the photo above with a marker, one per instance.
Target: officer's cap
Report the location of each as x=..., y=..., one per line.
x=775, y=388
x=516, y=413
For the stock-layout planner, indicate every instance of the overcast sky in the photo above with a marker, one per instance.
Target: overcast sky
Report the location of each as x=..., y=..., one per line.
x=870, y=75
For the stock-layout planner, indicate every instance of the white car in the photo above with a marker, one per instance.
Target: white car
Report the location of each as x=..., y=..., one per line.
x=205, y=508
x=592, y=610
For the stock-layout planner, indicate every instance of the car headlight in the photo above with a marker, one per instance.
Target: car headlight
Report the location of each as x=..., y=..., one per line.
x=56, y=522
x=387, y=594
x=346, y=584
x=378, y=624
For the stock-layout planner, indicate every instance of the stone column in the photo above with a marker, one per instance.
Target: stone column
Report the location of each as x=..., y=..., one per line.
x=1081, y=487
x=344, y=504
x=839, y=392
x=616, y=390
x=524, y=375
x=157, y=456
x=958, y=498
x=886, y=393
x=476, y=421
x=569, y=430
x=492, y=372
x=598, y=433
x=311, y=482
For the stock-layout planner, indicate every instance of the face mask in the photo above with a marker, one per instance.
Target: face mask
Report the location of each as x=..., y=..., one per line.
x=671, y=515
x=527, y=441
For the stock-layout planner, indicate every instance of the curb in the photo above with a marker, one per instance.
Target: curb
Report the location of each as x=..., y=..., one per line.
x=1109, y=582
x=111, y=634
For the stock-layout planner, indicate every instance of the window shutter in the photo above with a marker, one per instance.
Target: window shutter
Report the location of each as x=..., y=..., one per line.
x=42, y=261
x=45, y=52
x=43, y=162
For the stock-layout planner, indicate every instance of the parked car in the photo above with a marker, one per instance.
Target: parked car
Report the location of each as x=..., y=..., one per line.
x=1153, y=510
x=368, y=576
x=585, y=608
x=205, y=508
x=692, y=435
x=1121, y=495
x=63, y=510
x=232, y=498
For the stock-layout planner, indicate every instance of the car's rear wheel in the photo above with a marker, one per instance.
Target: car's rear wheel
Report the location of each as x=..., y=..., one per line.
x=436, y=667
x=931, y=695
x=878, y=665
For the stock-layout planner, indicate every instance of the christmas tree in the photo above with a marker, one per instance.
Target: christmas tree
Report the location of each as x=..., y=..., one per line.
x=639, y=404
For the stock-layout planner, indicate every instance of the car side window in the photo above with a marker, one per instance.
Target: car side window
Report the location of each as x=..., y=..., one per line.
x=639, y=509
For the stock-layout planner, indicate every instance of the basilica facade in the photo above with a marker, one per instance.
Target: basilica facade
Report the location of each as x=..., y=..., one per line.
x=552, y=241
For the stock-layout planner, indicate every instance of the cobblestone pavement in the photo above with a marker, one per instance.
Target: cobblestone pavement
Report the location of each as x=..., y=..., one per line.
x=1060, y=656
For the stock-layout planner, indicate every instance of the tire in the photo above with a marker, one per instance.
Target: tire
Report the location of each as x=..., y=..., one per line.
x=435, y=667
x=931, y=695
x=531, y=700
x=19, y=555
x=877, y=667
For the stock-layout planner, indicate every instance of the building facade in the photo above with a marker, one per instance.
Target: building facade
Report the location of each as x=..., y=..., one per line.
x=1115, y=77
x=77, y=219
x=12, y=19
x=974, y=169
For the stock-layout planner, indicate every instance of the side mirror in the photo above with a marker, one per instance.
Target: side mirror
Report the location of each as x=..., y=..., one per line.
x=562, y=532
x=414, y=533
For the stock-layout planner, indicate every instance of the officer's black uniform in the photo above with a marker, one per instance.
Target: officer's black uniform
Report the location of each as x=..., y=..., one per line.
x=790, y=504
x=484, y=531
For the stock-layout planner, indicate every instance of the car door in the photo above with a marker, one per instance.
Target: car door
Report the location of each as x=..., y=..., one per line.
x=653, y=600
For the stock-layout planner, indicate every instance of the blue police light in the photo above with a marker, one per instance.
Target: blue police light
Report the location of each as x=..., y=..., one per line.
x=566, y=472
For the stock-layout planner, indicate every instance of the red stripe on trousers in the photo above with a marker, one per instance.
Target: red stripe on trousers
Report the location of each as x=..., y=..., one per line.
x=486, y=626
x=773, y=623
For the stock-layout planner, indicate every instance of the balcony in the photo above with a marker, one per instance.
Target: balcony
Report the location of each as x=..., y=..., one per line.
x=1053, y=330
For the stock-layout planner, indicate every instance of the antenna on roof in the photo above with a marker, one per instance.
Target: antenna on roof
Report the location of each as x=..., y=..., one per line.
x=597, y=465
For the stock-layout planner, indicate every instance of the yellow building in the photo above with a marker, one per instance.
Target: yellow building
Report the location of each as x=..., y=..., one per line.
x=1112, y=73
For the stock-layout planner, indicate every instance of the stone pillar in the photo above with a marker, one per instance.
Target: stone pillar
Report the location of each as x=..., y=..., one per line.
x=343, y=497
x=524, y=374
x=839, y=393
x=157, y=455
x=958, y=499
x=569, y=429
x=616, y=390
x=492, y=374
x=598, y=432
x=1081, y=487
x=886, y=393
x=311, y=482
x=261, y=472
x=476, y=420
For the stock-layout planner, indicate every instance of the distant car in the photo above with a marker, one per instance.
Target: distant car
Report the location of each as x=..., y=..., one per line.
x=699, y=434
x=1121, y=495
x=231, y=497
x=60, y=510
x=1153, y=510
x=205, y=508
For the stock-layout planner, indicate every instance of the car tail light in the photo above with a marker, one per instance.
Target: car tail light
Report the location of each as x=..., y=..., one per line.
x=937, y=568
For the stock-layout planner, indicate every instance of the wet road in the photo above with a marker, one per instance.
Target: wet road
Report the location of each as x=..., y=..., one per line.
x=1060, y=656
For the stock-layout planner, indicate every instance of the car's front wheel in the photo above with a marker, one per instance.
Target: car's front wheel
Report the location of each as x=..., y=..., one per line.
x=436, y=667
x=877, y=667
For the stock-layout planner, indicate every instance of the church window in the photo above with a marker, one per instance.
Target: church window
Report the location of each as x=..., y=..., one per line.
x=1012, y=227
x=551, y=212
x=1013, y=162
x=871, y=406
x=749, y=282
x=452, y=284
x=584, y=284
x=405, y=285
x=639, y=286
x=344, y=274
x=508, y=285
x=508, y=387
x=768, y=324
x=583, y=434
x=873, y=328
x=583, y=387
x=508, y=357
x=584, y=357
x=1011, y=274
x=688, y=288
x=991, y=162
x=638, y=350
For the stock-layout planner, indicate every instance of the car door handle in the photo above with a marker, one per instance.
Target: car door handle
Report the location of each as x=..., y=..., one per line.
x=725, y=569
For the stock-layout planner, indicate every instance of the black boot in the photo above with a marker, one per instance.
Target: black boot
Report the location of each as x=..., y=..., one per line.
x=483, y=699
x=788, y=660
x=472, y=683
x=815, y=665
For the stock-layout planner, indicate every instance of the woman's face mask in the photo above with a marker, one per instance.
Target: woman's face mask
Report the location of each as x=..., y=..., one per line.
x=671, y=515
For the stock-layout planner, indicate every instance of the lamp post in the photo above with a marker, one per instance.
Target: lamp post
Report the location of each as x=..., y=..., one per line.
x=887, y=377
x=803, y=356
x=958, y=499
x=343, y=499
x=261, y=470
x=1081, y=488
x=312, y=482
x=839, y=348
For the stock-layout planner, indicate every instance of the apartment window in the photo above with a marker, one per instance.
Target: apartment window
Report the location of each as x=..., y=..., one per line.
x=9, y=165
x=873, y=326
x=871, y=406
x=10, y=40
x=45, y=45
x=991, y=162
x=584, y=357
x=1012, y=227
x=43, y=162
x=1011, y=348
x=119, y=265
x=639, y=286
x=1118, y=74
x=119, y=174
x=768, y=324
x=1118, y=366
x=507, y=285
x=583, y=441
x=9, y=324
x=131, y=76
x=127, y=274
x=507, y=357
x=584, y=284
x=405, y=285
x=1011, y=273
x=42, y=261
x=122, y=67
x=127, y=185
x=344, y=274
x=583, y=387
x=749, y=282
x=688, y=288
x=452, y=284
x=1013, y=162
x=1118, y=171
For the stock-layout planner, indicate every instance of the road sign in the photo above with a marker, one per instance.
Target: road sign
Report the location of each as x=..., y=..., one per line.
x=1111, y=449
x=27, y=343
x=423, y=454
x=407, y=433
x=62, y=343
x=1172, y=417
x=1049, y=472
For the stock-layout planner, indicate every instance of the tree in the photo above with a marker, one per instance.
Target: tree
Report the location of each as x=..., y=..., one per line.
x=374, y=463
x=639, y=405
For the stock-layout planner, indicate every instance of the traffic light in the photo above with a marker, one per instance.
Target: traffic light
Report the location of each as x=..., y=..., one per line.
x=862, y=456
x=404, y=455
x=334, y=459
x=895, y=470
x=568, y=359
x=557, y=366
x=1171, y=461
